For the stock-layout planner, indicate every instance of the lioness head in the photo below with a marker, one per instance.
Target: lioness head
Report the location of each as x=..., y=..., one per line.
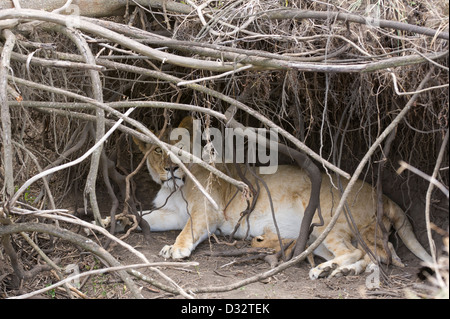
x=161, y=168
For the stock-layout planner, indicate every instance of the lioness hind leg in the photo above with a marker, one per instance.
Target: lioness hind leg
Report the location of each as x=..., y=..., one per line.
x=355, y=268
x=347, y=258
x=348, y=263
x=382, y=256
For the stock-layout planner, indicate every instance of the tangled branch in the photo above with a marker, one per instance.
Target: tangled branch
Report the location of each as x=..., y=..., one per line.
x=332, y=81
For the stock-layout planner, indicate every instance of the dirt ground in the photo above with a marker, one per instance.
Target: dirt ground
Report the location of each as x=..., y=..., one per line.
x=212, y=271
x=292, y=283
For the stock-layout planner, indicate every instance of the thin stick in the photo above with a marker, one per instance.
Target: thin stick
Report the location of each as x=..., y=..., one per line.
x=121, y=104
x=394, y=80
x=215, y=76
x=427, y=208
x=54, y=63
x=77, y=239
x=66, y=165
x=148, y=135
x=431, y=179
x=6, y=136
x=348, y=17
x=104, y=232
x=102, y=271
x=102, y=32
x=97, y=94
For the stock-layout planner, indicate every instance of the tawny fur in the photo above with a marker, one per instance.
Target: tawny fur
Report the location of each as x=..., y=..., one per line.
x=290, y=190
x=270, y=240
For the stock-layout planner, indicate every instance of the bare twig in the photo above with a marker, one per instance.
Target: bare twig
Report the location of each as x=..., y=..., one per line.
x=105, y=270
x=394, y=80
x=66, y=165
x=5, y=115
x=431, y=179
x=325, y=15
x=216, y=76
x=239, y=252
x=81, y=241
x=101, y=32
x=61, y=216
x=97, y=94
x=428, y=204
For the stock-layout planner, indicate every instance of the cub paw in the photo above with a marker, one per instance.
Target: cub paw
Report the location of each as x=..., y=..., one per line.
x=171, y=251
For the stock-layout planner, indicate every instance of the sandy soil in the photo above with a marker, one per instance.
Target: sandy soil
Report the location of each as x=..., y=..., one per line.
x=292, y=283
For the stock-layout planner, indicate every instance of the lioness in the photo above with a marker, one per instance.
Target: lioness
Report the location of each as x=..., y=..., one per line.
x=182, y=206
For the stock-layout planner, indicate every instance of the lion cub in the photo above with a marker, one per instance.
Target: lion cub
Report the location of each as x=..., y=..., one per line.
x=270, y=240
x=182, y=206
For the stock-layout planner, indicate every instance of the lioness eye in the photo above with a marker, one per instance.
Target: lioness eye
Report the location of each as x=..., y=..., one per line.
x=158, y=150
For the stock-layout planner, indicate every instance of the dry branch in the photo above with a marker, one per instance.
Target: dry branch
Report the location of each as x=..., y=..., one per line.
x=97, y=8
x=263, y=63
x=97, y=94
x=260, y=62
x=109, y=7
x=5, y=113
x=63, y=166
x=428, y=199
x=81, y=241
x=251, y=58
x=92, y=28
x=117, y=105
x=53, y=63
x=106, y=270
x=92, y=227
x=270, y=61
x=347, y=17
x=240, y=252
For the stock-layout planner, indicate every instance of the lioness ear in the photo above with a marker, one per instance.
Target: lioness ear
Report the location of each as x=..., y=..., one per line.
x=142, y=145
x=187, y=123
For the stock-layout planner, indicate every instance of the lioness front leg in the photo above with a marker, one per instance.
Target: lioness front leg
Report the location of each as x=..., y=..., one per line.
x=192, y=234
x=164, y=219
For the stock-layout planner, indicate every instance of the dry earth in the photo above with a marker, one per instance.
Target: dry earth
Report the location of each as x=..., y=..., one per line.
x=292, y=283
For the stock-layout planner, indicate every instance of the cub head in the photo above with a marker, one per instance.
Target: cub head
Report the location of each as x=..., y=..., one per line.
x=270, y=240
x=159, y=164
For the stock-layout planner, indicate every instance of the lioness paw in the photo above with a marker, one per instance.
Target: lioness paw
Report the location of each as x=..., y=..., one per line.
x=331, y=269
x=350, y=270
x=171, y=251
x=322, y=270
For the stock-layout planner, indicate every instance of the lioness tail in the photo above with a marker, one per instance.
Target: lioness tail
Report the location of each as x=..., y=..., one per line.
x=405, y=231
